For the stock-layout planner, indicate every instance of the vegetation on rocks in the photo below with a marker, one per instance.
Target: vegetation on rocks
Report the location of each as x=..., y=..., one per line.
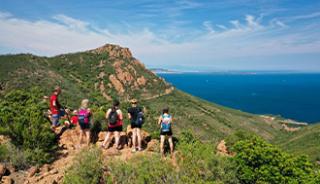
x=22, y=120
x=87, y=167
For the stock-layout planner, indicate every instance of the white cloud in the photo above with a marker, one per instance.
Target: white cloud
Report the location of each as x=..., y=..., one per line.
x=208, y=26
x=306, y=16
x=71, y=22
x=66, y=34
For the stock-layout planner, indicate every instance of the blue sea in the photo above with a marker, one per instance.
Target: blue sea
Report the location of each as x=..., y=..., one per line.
x=294, y=96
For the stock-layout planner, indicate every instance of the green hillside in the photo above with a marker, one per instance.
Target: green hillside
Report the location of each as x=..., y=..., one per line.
x=304, y=141
x=101, y=74
x=112, y=72
x=259, y=149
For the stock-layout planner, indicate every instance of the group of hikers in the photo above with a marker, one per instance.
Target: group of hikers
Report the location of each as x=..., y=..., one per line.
x=83, y=117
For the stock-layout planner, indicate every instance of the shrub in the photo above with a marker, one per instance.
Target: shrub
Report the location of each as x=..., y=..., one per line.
x=22, y=119
x=142, y=169
x=16, y=157
x=87, y=167
x=261, y=162
x=199, y=163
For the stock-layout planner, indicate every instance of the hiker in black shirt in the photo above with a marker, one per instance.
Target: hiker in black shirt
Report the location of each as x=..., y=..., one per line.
x=136, y=117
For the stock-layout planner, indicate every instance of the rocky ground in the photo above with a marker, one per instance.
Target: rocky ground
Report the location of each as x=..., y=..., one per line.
x=68, y=149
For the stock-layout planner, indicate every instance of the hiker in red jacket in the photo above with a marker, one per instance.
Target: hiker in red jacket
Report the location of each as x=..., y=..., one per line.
x=55, y=108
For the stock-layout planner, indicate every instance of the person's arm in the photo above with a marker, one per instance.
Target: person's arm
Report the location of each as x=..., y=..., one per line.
x=129, y=115
x=107, y=113
x=160, y=120
x=90, y=116
x=120, y=114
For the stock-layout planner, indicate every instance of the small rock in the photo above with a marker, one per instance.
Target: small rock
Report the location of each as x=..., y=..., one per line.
x=26, y=182
x=45, y=168
x=65, y=153
x=54, y=171
x=45, y=174
x=7, y=180
x=11, y=168
x=59, y=178
x=3, y=170
x=112, y=152
x=101, y=136
x=153, y=145
x=32, y=171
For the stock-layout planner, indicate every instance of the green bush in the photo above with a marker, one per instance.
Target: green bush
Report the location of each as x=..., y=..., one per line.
x=16, y=157
x=199, y=164
x=22, y=119
x=87, y=167
x=261, y=162
x=142, y=169
x=3, y=153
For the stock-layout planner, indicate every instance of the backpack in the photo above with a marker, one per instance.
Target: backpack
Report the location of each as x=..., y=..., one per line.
x=166, y=123
x=83, y=116
x=140, y=119
x=113, y=117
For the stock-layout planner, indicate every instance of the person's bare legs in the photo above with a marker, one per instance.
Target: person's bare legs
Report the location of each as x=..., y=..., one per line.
x=117, y=139
x=88, y=136
x=134, y=139
x=162, y=137
x=171, y=145
x=106, y=139
x=80, y=137
x=139, y=138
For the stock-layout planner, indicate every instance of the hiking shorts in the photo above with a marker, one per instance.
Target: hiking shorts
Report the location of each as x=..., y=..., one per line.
x=84, y=126
x=115, y=129
x=169, y=133
x=133, y=125
x=56, y=117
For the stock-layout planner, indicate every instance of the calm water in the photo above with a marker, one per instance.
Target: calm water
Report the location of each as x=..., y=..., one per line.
x=295, y=96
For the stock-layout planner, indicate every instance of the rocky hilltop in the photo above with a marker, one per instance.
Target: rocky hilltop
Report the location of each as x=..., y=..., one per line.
x=103, y=73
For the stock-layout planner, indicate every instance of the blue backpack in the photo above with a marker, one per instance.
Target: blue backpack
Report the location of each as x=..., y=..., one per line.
x=166, y=123
x=140, y=119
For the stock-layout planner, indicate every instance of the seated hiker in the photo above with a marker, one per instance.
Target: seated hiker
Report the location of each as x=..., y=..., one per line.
x=136, y=118
x=55, y=108
x=84, y=119
x=165, y=122
x=115, y=121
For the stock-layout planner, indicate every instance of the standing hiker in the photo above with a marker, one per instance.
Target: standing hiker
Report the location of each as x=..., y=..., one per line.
x=55, y=108
x=84, y=119
x=136, y=118
x=165, y=122
x=115, y=122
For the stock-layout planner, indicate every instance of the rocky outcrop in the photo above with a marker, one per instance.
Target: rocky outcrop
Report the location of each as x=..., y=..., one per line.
x=114, y=51
x=117, y=84
x=142, y=81
x=222, y=149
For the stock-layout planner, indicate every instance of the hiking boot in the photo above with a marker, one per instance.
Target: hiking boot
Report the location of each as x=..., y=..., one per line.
x=139, y=149
x=133, y=150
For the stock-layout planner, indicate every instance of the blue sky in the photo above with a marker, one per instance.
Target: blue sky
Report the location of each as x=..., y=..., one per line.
x=181, y=34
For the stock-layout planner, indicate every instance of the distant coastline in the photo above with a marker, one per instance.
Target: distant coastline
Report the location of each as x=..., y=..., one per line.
x=236, y=72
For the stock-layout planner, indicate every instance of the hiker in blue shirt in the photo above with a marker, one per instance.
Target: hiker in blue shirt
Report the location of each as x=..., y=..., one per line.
x=165, y=122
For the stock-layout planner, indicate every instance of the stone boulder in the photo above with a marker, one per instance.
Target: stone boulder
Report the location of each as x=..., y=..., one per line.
x=3, y=170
